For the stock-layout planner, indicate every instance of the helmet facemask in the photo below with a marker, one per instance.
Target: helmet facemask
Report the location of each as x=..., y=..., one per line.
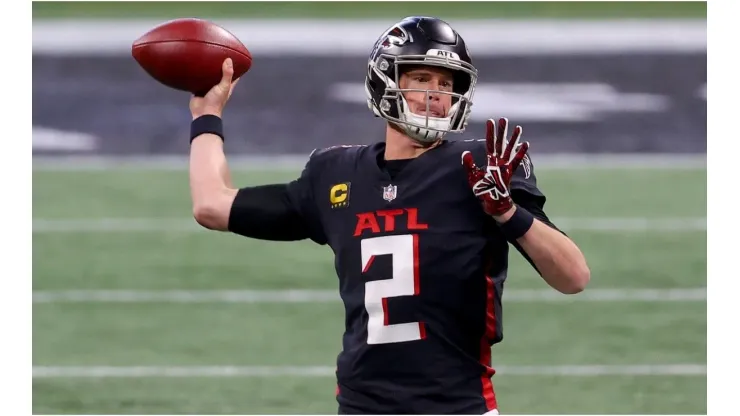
x=394, y=107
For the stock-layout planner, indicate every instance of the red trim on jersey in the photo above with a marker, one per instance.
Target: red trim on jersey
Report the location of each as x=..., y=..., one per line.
x=490, y=310
x=337, y=391
x=487, y=385
x=369, y=263
x=422, y=328
x=416, y=264
x=385, y=311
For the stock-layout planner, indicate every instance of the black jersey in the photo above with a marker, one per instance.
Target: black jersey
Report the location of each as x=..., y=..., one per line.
x=421, y=272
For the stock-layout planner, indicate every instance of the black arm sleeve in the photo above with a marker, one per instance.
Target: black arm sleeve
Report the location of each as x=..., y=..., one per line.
x=266, y=212
x=285, y=212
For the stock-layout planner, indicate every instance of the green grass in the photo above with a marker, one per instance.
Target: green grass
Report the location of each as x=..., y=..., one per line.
x=338, y=10
x=156, y=334
x=536, y=333
x=607, y=193
x=516, y=395
x=203, y=260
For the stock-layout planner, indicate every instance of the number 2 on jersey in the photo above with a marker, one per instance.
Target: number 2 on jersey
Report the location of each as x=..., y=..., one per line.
x=404, y=250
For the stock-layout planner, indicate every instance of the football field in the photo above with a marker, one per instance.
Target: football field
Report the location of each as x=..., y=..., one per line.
x=137, y=310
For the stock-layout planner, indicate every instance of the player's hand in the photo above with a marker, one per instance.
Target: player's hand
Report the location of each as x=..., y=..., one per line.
x=492, y=184
x=215, y=100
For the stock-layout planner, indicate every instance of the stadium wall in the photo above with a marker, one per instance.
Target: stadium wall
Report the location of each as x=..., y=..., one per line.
x=594, y=87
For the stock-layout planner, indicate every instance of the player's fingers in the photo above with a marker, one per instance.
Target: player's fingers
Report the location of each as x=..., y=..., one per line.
x=512, y=143
x=227, y=71
x=233, y=84
x=519, y=156
x=490, y=136
x=503, y=124
x=467, y=160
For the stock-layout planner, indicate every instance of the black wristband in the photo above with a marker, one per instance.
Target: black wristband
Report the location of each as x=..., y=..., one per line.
x=517, y=225
x=206, y=124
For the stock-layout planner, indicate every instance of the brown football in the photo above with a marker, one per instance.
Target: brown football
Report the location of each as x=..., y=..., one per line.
x=187, y=54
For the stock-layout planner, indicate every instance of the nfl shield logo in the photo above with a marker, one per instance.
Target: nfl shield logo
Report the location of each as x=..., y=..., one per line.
x=389, y=192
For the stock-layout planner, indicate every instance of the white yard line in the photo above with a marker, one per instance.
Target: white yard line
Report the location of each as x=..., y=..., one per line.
x=296, y=162
x=631, y=224
x=328, y=371
x=309, y=36
x=325, y=296
x=107, y=225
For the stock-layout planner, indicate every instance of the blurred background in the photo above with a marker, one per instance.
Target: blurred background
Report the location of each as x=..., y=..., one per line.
x=137, y=310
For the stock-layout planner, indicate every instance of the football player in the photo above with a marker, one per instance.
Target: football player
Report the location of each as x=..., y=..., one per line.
x=420, y=226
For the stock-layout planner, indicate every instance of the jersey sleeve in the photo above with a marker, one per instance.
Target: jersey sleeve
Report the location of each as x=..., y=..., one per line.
x=302, y=200
x=278, y=212
x=524, y=182
x=526, y=194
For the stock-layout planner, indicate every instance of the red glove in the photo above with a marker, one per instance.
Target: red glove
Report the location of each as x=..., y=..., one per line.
x=491, y=185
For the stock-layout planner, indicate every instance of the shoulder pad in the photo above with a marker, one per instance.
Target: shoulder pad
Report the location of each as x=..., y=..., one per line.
x=476, y=146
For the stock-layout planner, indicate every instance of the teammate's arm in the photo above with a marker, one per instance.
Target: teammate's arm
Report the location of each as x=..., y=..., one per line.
x=265, y=212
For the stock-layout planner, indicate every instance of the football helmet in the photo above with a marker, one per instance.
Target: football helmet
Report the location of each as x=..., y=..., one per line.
x=420, y=41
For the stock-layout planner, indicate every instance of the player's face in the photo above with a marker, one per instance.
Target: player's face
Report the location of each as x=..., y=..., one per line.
x=428, y=78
